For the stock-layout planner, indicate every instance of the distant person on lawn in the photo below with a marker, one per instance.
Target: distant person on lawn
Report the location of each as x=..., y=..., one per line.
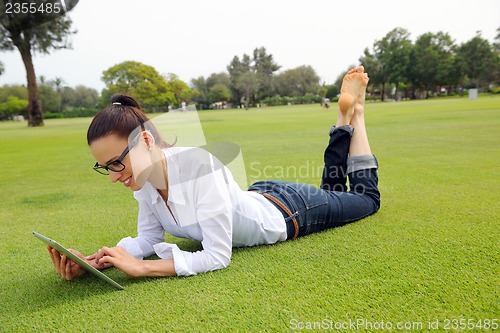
x=188, y=193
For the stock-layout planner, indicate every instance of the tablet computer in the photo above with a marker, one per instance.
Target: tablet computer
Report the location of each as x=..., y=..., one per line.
x=82, y=263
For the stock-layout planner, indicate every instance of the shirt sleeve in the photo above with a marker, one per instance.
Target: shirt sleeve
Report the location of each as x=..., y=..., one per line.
x=211, y=199
x=149, y=233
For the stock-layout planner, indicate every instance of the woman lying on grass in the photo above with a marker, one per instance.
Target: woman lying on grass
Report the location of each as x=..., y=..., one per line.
x=188, y=193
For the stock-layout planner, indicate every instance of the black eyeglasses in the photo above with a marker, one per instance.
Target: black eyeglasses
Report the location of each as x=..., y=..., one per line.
x=116, y=165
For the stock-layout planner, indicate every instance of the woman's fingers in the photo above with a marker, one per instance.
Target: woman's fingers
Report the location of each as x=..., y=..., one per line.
x=62, y=266
x=56, y=258
x=107, y=261
x=106, y=251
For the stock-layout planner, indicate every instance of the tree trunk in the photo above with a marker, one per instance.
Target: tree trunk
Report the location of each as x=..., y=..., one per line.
x=35, y=113
x=247, y=99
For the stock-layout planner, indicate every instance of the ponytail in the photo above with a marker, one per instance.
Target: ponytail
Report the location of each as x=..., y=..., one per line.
x=123, y=117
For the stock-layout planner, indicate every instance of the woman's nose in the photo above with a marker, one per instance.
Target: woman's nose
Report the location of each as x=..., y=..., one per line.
x=114, y=176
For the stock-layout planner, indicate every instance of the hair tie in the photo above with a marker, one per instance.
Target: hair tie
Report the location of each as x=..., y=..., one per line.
x=117, y=103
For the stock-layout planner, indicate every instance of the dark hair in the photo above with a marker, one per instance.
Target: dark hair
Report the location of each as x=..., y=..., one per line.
x=123, y=117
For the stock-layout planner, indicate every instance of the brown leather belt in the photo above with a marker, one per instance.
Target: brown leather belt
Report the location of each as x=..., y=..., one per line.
x=286, y=210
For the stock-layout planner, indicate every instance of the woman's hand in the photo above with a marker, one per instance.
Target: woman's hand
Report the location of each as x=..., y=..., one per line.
x=67, y=268
x=119, y=257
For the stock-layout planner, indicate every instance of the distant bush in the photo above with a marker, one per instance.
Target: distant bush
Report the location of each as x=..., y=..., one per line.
x=495, y=90
x=72, y=113
x=276, y=100
x=52, y=115
x=285, y=100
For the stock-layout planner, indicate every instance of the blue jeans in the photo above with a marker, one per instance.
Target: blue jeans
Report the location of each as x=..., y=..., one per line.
x=308, y=209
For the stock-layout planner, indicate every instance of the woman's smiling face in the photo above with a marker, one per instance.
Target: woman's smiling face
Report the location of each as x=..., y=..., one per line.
x=107, y=149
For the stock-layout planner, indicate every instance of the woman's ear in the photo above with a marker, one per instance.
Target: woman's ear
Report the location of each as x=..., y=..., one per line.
x=141, y=158
x=148, y=139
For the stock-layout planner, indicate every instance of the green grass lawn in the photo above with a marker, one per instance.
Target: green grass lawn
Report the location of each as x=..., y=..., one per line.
x=429, y=256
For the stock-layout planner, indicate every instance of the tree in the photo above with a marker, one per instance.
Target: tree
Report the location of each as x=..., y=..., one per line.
x=85, y=97
x=236, y=69
x=139, y=80
x=261, y=65
x=297, y=82
x=373, y=67
x=13, y=90
x=264, y=67
x=248, y=83
x=219, y=93
x=496, y=45
x=394, y=52
x=218, y=78
x=331, y=91
x=13, y=99
x=58, y=85
x=432, y=60
x=11, y=106
x=478, y=60
x=389, y=60
x=31, y=33
x=180, y=89
x=201, y=98
x=49, y=98
x=496, y=49
x=215, y=88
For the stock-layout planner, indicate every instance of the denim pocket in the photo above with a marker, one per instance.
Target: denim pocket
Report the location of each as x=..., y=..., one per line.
x=311, y=197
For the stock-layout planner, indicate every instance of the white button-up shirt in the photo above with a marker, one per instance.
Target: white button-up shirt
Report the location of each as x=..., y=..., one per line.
x=206, y=205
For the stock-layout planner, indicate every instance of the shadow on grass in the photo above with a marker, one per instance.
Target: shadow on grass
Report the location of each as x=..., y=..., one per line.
x=41, y=289
x=46, y=200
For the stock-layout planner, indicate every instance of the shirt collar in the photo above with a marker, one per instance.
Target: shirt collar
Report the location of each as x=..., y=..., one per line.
x=175, y=194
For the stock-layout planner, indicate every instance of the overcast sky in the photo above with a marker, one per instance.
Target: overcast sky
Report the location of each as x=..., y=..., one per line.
x=193, y=38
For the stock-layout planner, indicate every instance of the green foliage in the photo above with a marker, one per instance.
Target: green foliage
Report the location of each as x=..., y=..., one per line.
x=76, y=112
x=13, y=100
x=285, y=100
x=59, y=101
x=13, y=105
x=83, y=97
x=215, y=88
x=277, y=100
x=180, y=89
x=479, y=63
x=390, y=59
x=248, y=84
x=331, y=91
x=297, y=82
x=430, y=253
x=141, y=81
x=219, y=93
x=13, y=90
x=262, y=66
x=51, y=100
x=433, y=61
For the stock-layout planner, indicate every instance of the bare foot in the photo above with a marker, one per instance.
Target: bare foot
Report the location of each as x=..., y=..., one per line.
x=359, y=105
x=352, y=94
